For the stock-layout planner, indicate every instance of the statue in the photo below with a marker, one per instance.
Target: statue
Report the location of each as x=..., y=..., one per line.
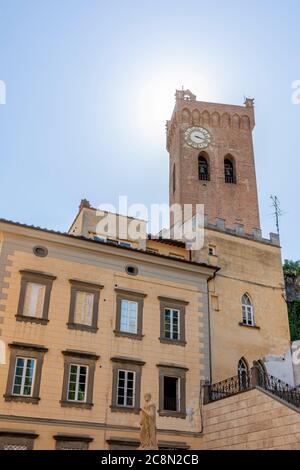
x=148, y=425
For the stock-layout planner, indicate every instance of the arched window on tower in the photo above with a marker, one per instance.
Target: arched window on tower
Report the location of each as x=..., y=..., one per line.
x=247, y=310
x=243, y=374
x=229, y=172
x=203, y=168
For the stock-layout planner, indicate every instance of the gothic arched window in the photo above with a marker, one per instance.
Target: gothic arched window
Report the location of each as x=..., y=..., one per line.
x=229, y=172
x=247, y=310
x=262, y=375
x=243, y=374
x=203, y=168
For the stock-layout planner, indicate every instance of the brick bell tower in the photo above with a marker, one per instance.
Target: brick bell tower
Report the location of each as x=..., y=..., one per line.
x=212, y=160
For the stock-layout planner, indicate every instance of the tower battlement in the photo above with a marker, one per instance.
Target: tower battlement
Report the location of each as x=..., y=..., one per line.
x=212, y=159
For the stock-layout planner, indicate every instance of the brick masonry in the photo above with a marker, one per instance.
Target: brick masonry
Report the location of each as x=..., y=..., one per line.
x=231, y=131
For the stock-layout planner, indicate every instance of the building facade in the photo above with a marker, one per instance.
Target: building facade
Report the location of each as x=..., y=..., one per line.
x=91, y=321
x=89, y=327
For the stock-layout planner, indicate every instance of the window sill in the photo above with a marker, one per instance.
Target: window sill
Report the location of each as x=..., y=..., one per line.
x=176, y=342
x=41, y=321
x=172, y=414
x=126, y=334
x=75, y=404
x=78, y=326
x=250, y=326
x=21, y=399
x=124, y=409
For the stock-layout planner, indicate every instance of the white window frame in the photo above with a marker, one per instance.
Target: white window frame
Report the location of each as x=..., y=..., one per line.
x=127, y=330
x=76, y=320
x=172, y=310
x=33, y=300
x=77, y=382
x=22, y=385
x=126, y=372
x=247, y=312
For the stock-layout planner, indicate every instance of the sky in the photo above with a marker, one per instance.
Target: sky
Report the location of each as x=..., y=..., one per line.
x=90, y=84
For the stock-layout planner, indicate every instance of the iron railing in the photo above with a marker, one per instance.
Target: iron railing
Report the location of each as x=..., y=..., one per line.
x=280, y=389
x=241, y=383
x=228, y=387
x=230, y=179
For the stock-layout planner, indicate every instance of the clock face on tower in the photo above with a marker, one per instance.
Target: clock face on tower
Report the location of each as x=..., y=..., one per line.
x=197, y=137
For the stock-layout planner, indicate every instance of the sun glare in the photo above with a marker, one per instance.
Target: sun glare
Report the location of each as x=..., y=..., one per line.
x=154, y=96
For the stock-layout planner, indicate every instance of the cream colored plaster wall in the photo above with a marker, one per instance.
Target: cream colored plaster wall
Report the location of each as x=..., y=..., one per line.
x=255, y=268
x=67, y=262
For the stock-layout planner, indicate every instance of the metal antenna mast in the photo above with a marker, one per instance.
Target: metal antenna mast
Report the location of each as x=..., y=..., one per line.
x=277, y=211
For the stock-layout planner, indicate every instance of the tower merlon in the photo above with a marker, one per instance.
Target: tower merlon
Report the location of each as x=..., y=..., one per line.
x=189, y=111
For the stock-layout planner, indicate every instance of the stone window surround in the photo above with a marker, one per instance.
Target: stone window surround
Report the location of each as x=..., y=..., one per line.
x=74, y=441
x=166, y=302
x=177, y=371
x=135, y=296
x=90, y=287
x=12, y=437
x=39, y=278
x=130, y=364
x=81, y=358
x=31, y=351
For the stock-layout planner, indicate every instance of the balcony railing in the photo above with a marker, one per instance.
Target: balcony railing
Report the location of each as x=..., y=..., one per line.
x=281, y=389
x=228, y=387
x=237, y=384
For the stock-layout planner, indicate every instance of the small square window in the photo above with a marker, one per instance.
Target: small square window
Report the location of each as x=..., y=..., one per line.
x=212, y=251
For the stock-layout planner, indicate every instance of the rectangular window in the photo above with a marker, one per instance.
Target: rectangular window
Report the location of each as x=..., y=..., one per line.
x=248, y=315
x=129, y=316
x=24, y=376
x=172, y=322
x=126, y=388
x=171, y=393
x=77, y=382
x=34, y=300
x=84, y=305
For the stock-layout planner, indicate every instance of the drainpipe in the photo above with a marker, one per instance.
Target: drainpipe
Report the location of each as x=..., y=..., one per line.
x=210, y=278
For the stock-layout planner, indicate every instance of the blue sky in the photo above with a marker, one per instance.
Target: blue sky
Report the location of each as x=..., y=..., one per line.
x=90, y=84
